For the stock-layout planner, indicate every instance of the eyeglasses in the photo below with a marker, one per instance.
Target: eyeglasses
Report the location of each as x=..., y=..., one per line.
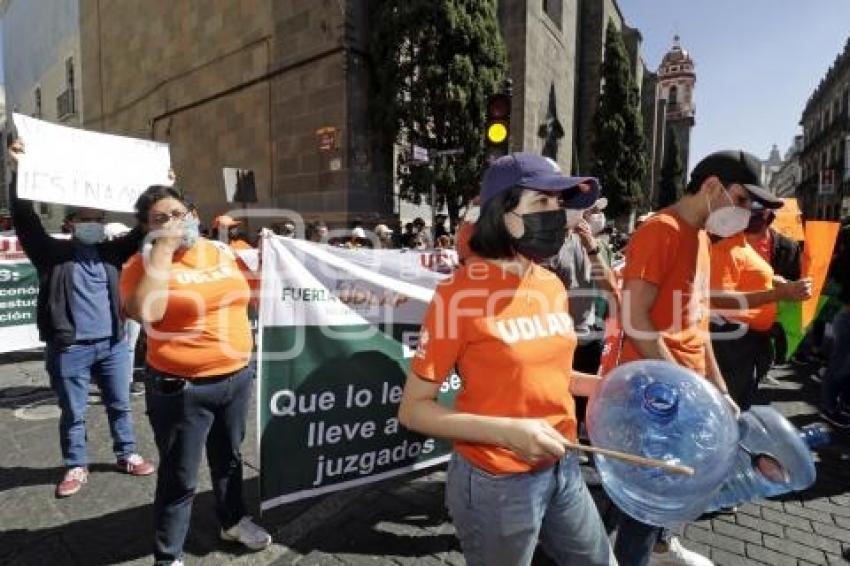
x=162, y=218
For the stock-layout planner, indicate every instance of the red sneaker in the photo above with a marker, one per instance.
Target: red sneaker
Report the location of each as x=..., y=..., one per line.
x=135, y=465
x=72, y=481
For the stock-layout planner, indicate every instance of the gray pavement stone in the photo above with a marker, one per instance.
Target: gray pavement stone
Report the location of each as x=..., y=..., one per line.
x=762, y=554
x=398, y=522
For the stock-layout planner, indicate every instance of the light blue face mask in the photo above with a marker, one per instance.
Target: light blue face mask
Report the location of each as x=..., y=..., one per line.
x=191, y=231
x=89, y=233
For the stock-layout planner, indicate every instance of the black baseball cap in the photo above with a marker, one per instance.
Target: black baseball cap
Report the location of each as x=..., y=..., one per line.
x=736, y=166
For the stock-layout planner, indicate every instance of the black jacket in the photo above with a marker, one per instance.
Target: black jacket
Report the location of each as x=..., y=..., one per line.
x=786, y=256
x=54, y=260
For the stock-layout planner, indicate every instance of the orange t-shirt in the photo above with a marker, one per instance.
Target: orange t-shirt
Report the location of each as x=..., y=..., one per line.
x=736, y=266
x=464, y=233
x=673, y=255
x=205, y=329
x=764, y=246
x=512, y=341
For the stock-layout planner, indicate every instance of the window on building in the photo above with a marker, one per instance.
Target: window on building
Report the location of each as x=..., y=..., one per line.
x=69, y=73
x=555, y=10
x=37, y=112
x=673, y=97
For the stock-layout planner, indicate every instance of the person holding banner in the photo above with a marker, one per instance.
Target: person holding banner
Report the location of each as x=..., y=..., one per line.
x=192, y=298
x=503, y=321
x=79, y=319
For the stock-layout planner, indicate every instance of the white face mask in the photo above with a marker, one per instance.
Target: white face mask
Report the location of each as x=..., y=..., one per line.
x=727, y=221
x=89, y=233
x=596, y=223
x=574, y=217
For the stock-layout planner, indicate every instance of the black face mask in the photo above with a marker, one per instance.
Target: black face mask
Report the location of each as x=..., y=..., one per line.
x=543, y=236
x=758, y=222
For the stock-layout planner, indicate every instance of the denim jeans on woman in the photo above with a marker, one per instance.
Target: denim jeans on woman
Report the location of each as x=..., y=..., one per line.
x=71, y=369
x=209, y=412
x=499, y=519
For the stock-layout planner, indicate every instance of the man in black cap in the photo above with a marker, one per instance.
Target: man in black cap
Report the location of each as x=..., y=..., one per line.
x=666, y=303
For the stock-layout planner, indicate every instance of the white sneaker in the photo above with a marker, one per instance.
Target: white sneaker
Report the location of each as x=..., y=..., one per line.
x=177, y=563
x=248, y=533
x=678, y=555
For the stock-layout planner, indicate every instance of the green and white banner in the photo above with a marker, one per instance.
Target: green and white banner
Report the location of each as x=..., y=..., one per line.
x=18, y=295
x=337, y=329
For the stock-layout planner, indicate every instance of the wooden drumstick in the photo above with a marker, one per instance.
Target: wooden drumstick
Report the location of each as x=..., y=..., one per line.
x=632, y=458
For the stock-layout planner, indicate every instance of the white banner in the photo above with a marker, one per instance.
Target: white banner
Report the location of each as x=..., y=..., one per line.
x=339, y=326
x=81, y=168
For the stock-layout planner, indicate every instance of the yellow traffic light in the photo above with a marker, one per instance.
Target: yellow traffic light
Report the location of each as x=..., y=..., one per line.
x=497, y=133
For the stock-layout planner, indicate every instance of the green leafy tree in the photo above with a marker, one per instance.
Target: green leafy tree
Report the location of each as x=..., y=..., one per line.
x=672, y=172
x=618, y=146
x=434, y=65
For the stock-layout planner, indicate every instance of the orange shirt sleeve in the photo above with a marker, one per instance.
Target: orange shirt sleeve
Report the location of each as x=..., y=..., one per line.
x=131, y=274
x=440, y=339
x=644, y=257
x=725, y=270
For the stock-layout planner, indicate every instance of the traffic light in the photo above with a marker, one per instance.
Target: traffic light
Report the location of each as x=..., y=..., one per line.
x=498, y=129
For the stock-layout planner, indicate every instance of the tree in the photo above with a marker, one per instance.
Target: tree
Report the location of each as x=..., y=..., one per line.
x=618, y=145
x=433, y=66
x=672, y=172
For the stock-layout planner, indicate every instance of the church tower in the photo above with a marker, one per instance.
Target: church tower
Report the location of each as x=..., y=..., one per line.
x=676, y=80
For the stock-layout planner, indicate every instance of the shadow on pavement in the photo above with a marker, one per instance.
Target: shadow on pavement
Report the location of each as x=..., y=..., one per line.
x=117, y=537
x=20, y=476
x=8, y=358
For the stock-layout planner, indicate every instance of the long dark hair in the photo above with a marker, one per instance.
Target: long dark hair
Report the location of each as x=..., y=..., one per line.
x=151, y=196
x=491, y=239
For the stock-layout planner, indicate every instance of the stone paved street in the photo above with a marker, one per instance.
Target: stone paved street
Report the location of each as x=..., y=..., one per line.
x=398, y=522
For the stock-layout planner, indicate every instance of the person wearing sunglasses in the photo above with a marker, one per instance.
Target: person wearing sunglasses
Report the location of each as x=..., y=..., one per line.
x=80, y=321
x=192, y=297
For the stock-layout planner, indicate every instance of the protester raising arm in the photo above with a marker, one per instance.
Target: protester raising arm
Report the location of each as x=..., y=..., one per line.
x=34, y=239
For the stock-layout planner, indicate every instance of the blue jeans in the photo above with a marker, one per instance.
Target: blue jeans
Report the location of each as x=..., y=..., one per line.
x=836, y=383
x=71, y=369
x=500, y=518
x=635, y=541
x=186, y=416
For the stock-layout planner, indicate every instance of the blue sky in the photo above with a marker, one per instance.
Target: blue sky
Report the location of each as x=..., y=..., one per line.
x=757, y=62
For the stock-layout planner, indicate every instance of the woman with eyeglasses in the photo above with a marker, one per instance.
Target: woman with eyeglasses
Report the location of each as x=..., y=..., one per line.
x=192, y=298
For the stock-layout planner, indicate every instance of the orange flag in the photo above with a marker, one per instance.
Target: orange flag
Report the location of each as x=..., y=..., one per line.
x=789, y=220
x=817, y=253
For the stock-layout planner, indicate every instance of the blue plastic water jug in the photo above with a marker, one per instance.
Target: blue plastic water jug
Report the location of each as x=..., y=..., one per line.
x=773, y=458
x=659, y=410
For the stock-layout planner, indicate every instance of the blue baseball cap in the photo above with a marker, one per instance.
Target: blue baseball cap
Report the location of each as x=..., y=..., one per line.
x=533, y=171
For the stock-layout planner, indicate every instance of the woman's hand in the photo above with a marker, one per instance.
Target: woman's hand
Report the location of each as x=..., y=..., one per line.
x=533, y=440
x=16, y=150
x=168, y=238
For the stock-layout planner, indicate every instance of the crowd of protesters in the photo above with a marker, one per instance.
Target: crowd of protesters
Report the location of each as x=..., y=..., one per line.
x=708, y=267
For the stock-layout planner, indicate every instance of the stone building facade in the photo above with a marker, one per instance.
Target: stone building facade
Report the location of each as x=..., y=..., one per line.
x=593, y=18
x=540, y=40
x=281, y=87
x=825, y=158
x=241, y=84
